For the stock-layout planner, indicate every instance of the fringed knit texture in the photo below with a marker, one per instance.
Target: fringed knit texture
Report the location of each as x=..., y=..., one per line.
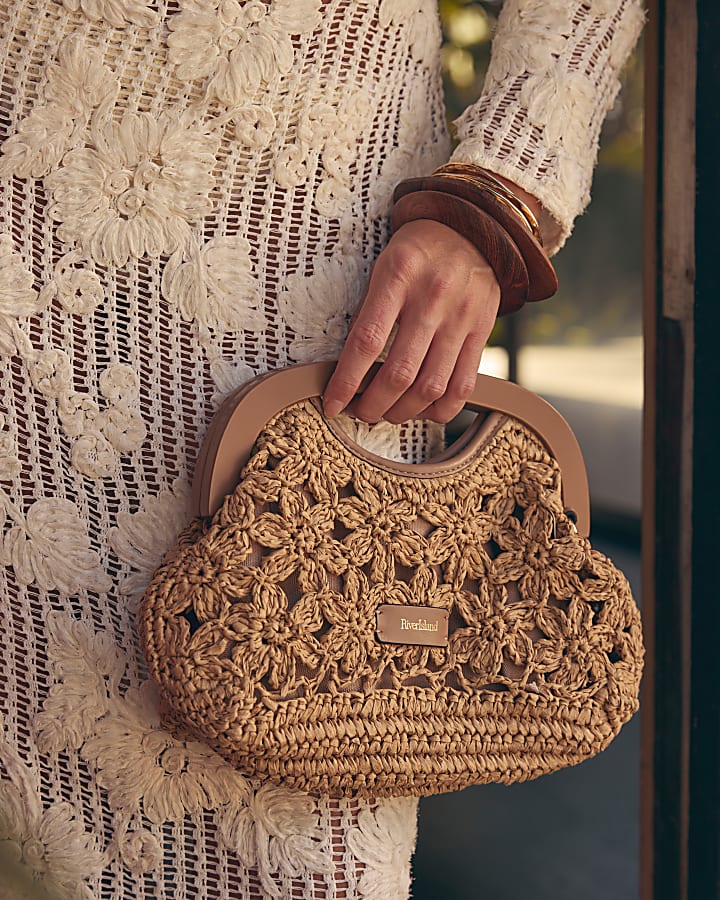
x=260, y=626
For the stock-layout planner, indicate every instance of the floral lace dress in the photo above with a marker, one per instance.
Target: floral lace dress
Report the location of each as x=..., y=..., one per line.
x=193, y=192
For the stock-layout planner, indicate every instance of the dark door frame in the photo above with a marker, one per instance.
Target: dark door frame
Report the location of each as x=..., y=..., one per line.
x=680, y=803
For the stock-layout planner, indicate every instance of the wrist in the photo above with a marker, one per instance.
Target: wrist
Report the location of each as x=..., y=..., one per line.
x=490, y=214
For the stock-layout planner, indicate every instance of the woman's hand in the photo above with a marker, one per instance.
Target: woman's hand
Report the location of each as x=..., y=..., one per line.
x=444, y=297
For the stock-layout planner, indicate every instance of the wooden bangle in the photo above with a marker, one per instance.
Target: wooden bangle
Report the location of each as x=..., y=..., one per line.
x=480, y=229
x=542, y=280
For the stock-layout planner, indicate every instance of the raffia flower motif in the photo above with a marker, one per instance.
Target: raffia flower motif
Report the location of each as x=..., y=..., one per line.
x=519, y=473
x=301, y=536
x=50, y=547
x=541, y=564
x=238, y=45
x=77, y=84
x=116, y=12
x=142, y=538
x=607, y=591
x=351, y=641
x=384, y=841
x=254, y=126
x=298, y=465
x=574, y=653
x=48, y=850
x=273, y=637
x=606, y=598
x=122, y=426
x=143, y=767
x=139, y=850
x=327, y=135
x=459, y=537
x=216, y=287
x=495, y=629
x=380, y=531
x=318, y=308
x=51, y=372
x=90, y=667
x=277, y=831
x=332, y=198
x=9, y=463
x=421, y=21
x=135, y=189
x=79, y=291
x=291, y=167
x=77, y=412
x=93, y=455
x=119, y=384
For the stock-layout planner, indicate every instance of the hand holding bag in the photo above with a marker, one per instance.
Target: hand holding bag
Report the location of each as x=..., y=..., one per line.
x=352, y=625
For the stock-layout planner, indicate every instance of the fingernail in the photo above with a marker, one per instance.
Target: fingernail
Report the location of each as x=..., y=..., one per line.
x=331, y=408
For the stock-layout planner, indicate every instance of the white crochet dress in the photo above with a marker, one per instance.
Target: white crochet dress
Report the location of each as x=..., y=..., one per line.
x=193, y=192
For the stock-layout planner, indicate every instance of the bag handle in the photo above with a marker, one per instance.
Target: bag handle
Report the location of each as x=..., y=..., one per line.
x=237, y=424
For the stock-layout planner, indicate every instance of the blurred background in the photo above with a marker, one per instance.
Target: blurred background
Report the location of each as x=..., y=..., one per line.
x=572, y=835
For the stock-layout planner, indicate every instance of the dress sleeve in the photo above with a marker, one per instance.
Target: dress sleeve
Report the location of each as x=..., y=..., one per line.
x=552, y=78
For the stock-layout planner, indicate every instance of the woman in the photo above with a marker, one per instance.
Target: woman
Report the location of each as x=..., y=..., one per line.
x=195, y=192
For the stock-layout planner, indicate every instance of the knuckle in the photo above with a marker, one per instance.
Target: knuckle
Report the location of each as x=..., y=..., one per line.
x=399, y=375
x=440, y=284
x=431, y=389
x=465, y=307
x=343, y=389
x=463, y=389
x=368, y=338
x=402, y=262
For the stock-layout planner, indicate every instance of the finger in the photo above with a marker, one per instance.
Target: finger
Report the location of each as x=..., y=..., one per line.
x=462, y=381
x=399, y=371
x=432, y=379
x=364, y=344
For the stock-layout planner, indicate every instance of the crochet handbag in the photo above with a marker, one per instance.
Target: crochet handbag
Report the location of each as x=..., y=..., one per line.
x=352, y=625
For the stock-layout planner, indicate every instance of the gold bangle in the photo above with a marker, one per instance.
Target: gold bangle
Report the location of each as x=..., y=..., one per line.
x=486, y=180
x=482, y=178
x=525, y=215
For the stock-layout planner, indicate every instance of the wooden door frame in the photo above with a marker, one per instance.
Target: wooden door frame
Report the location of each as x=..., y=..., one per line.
x=680, y=793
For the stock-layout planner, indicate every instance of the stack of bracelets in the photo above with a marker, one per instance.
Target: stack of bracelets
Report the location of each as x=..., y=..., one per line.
x=482, y=209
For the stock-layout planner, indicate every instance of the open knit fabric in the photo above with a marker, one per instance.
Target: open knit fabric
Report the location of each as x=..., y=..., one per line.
x=192, y=193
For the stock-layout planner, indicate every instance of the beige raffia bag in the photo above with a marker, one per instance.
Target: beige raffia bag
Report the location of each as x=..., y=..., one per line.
x=352, y=625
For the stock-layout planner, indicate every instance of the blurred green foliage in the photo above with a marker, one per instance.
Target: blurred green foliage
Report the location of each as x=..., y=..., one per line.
x=600, y=269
